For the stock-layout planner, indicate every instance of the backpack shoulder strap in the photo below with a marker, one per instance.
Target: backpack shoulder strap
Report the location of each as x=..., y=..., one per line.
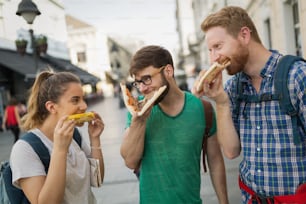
x=281, y=88
x=238, y=95
x=39, y=148
x=77, y=137
x=281, y=82
x=208, y=110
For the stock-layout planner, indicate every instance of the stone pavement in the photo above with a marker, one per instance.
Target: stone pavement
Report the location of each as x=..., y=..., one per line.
x=120, y=184
x=6, y=143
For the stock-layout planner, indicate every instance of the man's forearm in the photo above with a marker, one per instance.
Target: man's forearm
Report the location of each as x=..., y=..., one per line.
x=133, y=144
x=217, y=169
x=218, y=178
x=227, y=135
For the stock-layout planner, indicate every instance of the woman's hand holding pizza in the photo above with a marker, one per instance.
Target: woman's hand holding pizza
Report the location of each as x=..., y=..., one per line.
x=96, y=126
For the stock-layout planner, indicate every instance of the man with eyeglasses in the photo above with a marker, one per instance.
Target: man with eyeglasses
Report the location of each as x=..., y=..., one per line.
x=166, y=141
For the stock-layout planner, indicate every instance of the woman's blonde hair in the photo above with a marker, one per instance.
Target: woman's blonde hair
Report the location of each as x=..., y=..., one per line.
x=48, y=86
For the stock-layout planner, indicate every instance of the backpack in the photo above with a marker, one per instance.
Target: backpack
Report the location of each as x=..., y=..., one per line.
x=14, y=195
x=281, y=94
x=208, y=110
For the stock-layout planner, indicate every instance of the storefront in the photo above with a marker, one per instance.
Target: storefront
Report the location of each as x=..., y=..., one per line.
x=17, y=73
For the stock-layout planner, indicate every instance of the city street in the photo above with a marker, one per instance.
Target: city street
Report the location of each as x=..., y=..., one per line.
x=120, y=184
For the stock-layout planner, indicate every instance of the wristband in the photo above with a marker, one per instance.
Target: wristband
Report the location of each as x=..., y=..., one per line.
x=98, y=147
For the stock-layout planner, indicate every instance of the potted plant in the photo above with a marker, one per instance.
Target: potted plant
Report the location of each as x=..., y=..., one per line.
x=41, y=43
x=21, y=45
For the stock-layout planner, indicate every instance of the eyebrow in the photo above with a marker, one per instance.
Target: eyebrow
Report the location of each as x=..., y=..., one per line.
x=75, y=97
x=150, y=75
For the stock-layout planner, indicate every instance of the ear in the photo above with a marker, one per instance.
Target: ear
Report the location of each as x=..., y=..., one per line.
x=50, y=106
x=169, y=71
x=245, y=34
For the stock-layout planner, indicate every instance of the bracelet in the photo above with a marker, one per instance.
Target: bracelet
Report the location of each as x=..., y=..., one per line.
x=92, y=147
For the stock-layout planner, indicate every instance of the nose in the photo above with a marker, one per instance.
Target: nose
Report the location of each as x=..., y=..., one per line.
x=83, y=105
x=142, y=87
x=214, y=56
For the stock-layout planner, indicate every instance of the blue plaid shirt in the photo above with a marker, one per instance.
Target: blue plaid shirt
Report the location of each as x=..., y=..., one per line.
x=272, y=163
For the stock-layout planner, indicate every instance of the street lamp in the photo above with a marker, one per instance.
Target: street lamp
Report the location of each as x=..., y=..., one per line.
x=28, y=10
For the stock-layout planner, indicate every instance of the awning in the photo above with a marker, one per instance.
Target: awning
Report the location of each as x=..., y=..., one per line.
x=21, y=64
x=25, y=65
x=65, y=65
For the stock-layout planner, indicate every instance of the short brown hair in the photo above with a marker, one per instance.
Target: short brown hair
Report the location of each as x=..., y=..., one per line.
x=151, y=55
x=231, y=18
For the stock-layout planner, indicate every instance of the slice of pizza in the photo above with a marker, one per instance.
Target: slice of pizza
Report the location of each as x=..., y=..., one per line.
x=212, y=72
x=139, y=107
x=82, y=117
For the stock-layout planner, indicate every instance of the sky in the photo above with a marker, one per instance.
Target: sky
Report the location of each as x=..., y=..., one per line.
x=151, y=21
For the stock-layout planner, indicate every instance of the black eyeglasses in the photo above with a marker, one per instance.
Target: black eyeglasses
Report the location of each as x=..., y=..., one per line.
x=146, y=79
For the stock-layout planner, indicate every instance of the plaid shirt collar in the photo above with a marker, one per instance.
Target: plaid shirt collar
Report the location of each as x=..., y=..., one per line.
x=269, y=68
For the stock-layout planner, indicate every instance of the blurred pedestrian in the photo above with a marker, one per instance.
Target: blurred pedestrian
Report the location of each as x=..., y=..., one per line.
x=22, y=109
x=166, y=141
x=55, y=96
x=11, y=118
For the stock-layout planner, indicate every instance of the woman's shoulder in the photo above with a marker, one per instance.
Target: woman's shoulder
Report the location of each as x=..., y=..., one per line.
x=23, y=147
x=21, y=152
x=25, y=162
x=20, y=148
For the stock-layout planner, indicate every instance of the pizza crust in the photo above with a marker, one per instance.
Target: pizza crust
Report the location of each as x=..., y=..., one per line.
x=151, y=101
x=139, y=107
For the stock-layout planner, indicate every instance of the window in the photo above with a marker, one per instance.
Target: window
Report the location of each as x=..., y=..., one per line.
x=81, y=57
x=297, y=29
x=268, y=33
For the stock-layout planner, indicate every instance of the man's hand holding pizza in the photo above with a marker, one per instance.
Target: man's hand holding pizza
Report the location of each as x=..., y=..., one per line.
x=209, y=82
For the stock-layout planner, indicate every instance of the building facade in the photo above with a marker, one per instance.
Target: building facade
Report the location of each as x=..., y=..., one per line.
x=99, y=54
x=18, y=68
x=281, y=25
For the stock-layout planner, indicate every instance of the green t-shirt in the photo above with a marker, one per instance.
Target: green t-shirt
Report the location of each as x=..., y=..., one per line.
x=170, y=167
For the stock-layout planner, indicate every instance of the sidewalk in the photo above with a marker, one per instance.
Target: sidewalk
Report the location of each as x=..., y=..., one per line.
x=120, y=185
x=6, y=143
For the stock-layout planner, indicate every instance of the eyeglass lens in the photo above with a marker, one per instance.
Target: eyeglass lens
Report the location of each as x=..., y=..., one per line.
x=146, y=80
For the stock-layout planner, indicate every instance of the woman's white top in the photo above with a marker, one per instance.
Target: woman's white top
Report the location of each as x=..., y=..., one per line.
x=26, y=163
